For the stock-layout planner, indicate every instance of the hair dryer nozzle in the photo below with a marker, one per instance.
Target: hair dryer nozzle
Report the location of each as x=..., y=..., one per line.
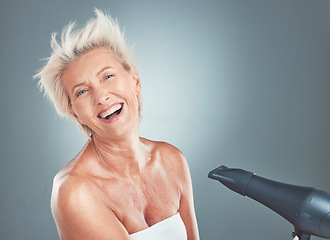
x=235, y=179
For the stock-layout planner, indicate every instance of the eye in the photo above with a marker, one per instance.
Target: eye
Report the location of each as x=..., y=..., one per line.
x=81, y=92
x=109, y=76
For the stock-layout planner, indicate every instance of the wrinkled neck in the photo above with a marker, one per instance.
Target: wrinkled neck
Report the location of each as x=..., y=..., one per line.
x=125, y=156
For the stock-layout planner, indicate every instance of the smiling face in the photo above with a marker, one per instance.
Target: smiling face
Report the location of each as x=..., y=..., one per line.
x=103, y=94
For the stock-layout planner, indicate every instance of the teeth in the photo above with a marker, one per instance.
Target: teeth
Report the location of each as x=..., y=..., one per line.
x=110, y=111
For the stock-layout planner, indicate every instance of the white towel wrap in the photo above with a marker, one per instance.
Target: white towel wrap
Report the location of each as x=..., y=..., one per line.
x=171, y=228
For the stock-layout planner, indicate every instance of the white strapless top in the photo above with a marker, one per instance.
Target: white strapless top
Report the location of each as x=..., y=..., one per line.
x=171, y=228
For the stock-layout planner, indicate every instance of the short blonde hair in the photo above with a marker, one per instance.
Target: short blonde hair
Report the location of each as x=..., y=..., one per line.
x=101, y=31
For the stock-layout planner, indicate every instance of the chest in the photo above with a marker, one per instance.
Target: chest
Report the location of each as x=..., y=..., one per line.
x=142, y=202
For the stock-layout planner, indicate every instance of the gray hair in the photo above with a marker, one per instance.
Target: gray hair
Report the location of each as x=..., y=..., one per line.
x=101, y=31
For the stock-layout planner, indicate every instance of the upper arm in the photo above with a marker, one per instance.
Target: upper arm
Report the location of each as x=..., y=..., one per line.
x=80, y=215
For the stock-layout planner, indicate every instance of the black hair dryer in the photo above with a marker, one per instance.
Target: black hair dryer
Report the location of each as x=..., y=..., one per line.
x=307, y=208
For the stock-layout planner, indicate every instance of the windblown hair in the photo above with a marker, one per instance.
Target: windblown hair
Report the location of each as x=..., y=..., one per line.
x=101, y=31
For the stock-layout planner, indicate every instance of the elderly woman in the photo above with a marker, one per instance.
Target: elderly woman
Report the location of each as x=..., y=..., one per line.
x=119, y=186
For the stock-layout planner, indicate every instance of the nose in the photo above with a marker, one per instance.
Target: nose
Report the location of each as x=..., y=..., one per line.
x=101, y=97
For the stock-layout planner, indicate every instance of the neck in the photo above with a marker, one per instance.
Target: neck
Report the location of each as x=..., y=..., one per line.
x=125, y=156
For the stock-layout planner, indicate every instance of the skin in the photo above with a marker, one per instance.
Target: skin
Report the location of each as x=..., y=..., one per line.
x=119, y=183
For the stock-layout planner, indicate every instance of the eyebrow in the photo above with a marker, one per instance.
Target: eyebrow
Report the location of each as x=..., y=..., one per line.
x=103, y=69
x=98, y=73
x=77, y=85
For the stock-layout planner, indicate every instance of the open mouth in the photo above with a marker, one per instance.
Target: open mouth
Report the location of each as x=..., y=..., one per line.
x=113, y=112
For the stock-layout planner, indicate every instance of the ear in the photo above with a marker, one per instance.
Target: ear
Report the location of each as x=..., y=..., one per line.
x=135, y=75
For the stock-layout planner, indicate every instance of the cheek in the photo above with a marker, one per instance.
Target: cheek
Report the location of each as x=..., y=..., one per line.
x=133, y=97
x=125, y=88
x=81, y=112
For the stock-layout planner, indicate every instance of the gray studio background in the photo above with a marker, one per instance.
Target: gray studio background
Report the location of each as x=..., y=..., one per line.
x=244, y=83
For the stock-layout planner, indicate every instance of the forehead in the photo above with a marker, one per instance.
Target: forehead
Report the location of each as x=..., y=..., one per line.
x=88, y=65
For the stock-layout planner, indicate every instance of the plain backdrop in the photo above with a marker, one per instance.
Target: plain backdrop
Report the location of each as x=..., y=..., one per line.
x=241, y=83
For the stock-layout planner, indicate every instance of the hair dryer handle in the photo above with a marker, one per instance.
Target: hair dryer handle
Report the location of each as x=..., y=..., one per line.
x=301, y=235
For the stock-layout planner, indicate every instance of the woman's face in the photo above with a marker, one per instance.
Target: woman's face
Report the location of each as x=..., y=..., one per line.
x=103, y=95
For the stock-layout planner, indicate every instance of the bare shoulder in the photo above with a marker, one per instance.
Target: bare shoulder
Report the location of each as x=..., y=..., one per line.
x=70, y=194
x=169, y=153
x=68, y=185
x=78, y=206
x=68, y=182
x=72, y=187
x=172, y=159
x=80, y=212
